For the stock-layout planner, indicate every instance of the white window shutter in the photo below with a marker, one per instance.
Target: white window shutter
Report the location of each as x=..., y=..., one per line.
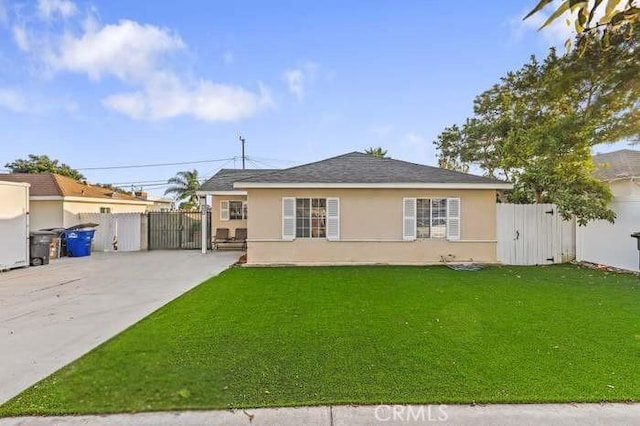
x=245, y=210
x=288, y=218
x=224, y=210
x=409, y=219
x=333, y=218
x=453, y=218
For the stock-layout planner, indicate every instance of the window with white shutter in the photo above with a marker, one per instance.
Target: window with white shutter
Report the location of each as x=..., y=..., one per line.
x=288, y=218
x=409, y=219
x=333, y=218
x=453, y=218
x=224, y=210
x=428, y=218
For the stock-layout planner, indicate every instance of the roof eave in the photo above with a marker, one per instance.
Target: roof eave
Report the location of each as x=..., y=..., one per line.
x=218, y=192
x=407, y=185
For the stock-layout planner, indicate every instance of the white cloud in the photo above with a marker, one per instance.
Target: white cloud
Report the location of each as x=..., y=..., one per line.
x=298, y=79
x=228, y=58
x=21, y=37
x=49, y=8
x=168, y=98
x=13, y=99
x=17, y=100
x=140, y=56
x=127, y=50
x=294, y=80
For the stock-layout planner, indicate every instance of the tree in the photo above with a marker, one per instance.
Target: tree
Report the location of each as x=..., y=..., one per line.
x=43, y=164
x=536, y=126
x=376, y=152
x=184, y=186
x=614, y=21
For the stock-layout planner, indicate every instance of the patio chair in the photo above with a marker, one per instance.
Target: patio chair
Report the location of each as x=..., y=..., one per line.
x=222, y=236
x=241, y=237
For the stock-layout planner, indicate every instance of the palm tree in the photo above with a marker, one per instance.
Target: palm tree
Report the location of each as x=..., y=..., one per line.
x=184, y=186
x=376, y=152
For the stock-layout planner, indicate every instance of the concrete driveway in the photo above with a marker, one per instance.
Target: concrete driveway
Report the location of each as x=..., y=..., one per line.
x=51, y=315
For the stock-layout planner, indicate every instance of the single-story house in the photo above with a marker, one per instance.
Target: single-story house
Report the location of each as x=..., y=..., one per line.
x=55, y=201
x=159, y=204
x=358, y=209
x=611, y=244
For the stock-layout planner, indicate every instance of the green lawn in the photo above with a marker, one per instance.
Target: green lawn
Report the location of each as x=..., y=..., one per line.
x=303, y=336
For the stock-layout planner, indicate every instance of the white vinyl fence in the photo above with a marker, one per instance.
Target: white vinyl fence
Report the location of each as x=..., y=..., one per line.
x=125, y=227
x=533, y=234
x=611, y=244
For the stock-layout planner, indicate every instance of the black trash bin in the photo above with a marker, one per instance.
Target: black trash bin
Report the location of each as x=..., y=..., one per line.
x=39, y=242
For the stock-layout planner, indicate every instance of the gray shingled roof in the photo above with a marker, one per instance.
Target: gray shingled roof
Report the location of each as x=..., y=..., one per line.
x=224, y=179
x=621, y=164
x=357, y=167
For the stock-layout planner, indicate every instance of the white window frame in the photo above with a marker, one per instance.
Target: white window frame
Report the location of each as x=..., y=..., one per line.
x=452, y=218
x=243, y=205
x=331, y=218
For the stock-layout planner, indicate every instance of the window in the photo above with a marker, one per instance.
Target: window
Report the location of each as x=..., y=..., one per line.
x=439, y=218
x=105, y=209
x=311, y=217
x=431, y=218
x=233, y=210
x=423, y=218
x=237, y=210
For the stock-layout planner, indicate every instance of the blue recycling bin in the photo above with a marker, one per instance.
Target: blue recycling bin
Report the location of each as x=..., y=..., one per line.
x=79, y=241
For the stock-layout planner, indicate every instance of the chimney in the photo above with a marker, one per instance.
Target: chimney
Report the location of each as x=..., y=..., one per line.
x=141, y=194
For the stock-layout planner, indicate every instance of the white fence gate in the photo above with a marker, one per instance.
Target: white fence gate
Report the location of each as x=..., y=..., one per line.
x=533, y=234
x=125, y=227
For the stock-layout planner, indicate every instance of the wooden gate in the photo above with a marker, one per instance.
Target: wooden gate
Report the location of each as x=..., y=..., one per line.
x=177, y=230
x=533, y=234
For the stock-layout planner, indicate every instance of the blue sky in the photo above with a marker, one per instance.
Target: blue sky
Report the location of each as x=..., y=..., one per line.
x=107, y=83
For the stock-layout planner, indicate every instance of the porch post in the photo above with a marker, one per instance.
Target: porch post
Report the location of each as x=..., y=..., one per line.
x=203, y=226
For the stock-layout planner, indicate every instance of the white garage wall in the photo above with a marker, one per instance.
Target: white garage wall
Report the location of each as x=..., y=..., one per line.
x=611, y=244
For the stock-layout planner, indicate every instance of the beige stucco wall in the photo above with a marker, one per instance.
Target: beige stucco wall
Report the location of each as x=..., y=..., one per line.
x=72, y=208
x=45, y=214
x=370, y=228
x=231, y=224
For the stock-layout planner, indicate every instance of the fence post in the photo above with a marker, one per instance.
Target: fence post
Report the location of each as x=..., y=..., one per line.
x=203, y=224
x=144, y=231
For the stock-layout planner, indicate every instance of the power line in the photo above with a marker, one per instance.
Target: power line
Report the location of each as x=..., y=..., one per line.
x=137, y=166
x=275, y=160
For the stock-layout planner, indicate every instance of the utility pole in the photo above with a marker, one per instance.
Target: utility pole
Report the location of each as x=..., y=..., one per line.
x=242, y=141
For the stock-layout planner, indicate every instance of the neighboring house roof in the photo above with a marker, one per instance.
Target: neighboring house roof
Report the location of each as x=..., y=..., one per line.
x=622, y=164
x=52, y=185
x=367, y=170
x=223, y=180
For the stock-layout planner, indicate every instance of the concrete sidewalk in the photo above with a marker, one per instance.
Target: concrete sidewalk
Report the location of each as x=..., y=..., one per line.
x=50, y=315
x=463, y=415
